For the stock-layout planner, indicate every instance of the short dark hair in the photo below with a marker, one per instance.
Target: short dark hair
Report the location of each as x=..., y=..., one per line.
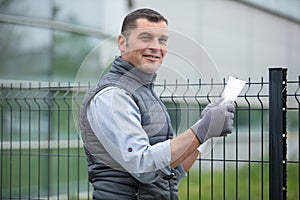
x=129, y=21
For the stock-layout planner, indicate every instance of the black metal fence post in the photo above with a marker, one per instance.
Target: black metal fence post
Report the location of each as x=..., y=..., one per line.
x=277, y=133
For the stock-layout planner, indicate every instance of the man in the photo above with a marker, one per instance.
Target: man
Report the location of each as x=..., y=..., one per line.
x=126, y=130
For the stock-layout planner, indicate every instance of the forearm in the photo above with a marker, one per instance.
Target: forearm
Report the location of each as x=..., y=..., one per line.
x=190, y=160
x=183, y=149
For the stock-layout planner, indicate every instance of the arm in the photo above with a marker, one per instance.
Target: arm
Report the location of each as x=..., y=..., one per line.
x=119, y=129
x=215, y=121
x=184, y=148
x=190, y=160
x=115, y=120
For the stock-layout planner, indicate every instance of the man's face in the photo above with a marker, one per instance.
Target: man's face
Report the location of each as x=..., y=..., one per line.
x=146, y=46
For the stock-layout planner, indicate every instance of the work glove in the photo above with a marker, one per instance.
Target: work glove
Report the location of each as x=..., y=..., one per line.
x=211, y=105
x=217, y=120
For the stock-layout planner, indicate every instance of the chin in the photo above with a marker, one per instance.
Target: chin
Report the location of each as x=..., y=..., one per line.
x=150, y=68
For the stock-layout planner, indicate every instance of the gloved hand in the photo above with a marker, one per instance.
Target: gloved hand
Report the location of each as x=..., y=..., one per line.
x=216, y=121
x=211, y=105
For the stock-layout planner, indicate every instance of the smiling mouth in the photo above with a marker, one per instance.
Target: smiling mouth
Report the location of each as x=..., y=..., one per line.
x=151, y=57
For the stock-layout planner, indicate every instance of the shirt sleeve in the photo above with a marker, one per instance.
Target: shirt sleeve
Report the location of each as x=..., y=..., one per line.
x=116, y=121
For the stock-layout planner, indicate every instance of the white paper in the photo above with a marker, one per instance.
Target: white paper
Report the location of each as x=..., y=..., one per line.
x=232, y=89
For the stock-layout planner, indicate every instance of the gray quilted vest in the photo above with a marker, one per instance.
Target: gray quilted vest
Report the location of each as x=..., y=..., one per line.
x=112, y=181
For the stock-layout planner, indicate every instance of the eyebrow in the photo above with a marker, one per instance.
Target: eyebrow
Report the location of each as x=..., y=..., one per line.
x=150, y=34
x=145, y=34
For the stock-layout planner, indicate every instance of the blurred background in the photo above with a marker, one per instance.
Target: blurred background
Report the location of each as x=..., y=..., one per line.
x=48, y=40
x=48, y=46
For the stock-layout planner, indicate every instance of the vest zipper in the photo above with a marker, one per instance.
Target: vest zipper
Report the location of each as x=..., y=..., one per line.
x=137, y=194
x=171, y=190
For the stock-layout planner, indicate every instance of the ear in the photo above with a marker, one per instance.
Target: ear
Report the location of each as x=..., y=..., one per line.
x=122, y=43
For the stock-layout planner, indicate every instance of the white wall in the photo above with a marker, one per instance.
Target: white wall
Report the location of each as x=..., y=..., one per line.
x=240, y=40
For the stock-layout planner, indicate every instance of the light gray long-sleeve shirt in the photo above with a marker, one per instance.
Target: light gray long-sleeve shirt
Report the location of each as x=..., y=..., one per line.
x=115, y=119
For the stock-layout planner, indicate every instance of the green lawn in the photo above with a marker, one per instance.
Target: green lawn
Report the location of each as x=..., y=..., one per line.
x=60, y=172
x=235, y=185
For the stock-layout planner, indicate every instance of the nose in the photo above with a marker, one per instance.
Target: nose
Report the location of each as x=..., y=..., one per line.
x=155, y=44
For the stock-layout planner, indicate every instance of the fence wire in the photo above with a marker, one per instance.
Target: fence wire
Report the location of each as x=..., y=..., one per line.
x=42, y=155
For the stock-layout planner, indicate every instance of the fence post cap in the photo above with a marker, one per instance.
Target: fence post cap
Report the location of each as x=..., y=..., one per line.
x=277, y=67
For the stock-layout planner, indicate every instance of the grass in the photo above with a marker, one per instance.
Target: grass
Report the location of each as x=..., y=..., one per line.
x=250, y=181
x=31, y=173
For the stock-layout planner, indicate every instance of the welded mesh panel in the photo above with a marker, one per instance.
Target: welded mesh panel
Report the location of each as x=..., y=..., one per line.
x=42, y=155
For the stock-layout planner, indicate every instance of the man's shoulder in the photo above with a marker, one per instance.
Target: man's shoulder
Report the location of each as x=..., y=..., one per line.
x=111, y=91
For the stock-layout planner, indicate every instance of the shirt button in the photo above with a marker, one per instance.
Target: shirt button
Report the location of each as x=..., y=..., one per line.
x=129, y=149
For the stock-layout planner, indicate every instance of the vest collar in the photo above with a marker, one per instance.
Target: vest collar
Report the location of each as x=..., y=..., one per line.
x=123, y=67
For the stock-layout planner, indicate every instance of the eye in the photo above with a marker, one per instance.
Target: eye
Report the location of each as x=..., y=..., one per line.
x=163, y=41
x=145, y=38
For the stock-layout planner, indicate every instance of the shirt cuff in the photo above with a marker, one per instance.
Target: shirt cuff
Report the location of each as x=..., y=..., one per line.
x=161, y=154
x=180, y=172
